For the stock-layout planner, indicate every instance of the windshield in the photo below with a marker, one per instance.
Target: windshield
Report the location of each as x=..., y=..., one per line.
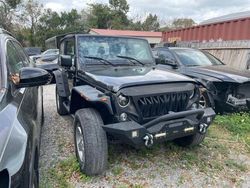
x=191, y=57
x=116, y=50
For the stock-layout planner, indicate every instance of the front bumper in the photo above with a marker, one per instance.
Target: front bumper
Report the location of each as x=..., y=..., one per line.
x=167, y=127
x=238, y=103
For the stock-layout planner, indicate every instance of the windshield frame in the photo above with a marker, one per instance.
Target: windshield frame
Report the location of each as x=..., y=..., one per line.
x=126, y=62
x=205, y=53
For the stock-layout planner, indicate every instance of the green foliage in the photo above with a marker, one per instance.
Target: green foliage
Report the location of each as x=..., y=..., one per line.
x=182, y=23
x=99, y=16
x=238, y=124
x=51, y=23
x=151, y=23
x=112, y=16
x=13, y=3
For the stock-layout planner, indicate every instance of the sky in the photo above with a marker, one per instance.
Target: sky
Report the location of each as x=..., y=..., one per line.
x=166, y=10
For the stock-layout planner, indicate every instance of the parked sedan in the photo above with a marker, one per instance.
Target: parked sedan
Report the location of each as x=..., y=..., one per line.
x=46, y=56
x=222, y=87
x=21, y=115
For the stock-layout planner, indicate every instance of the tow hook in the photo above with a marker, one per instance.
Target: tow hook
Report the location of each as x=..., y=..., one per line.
x=148, y=140
x=203, y=128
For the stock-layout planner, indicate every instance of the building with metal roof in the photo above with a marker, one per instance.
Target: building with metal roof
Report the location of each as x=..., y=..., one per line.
x=228, y=17
x=152, y=37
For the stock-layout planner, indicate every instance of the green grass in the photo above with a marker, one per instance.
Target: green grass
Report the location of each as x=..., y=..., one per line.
x=238, y=124
x=63, y=171
x=234, y=165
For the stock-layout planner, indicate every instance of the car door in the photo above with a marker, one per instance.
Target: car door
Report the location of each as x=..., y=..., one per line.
x=69, y=49
x=28, y=100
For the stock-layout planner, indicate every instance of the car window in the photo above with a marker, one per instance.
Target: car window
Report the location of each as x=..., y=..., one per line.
x=191, y=57
x=14, y=61
x=69, y=48
x=22, y=54
x=166, y=54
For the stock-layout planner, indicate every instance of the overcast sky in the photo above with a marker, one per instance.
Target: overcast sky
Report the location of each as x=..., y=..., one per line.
x=198, y=10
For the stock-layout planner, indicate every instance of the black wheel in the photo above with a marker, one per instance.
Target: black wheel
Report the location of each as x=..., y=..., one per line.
x=191, y=140
x=91, y=145
x=61, y=110
x=204, y=101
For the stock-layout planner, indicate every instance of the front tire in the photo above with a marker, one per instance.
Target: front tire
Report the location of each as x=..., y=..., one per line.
x=189, y=141
x=91, y=145
x=61, y=110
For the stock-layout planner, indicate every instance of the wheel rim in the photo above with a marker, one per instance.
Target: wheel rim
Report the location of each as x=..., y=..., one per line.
x=80, y=144
x=203, y=102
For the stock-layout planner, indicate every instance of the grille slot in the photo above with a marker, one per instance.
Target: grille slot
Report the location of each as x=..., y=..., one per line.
x=152, y=106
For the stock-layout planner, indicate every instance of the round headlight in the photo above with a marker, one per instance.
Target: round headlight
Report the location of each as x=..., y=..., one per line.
x=123, y=101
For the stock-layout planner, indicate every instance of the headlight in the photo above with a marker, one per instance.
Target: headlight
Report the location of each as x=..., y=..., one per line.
x=123, y=101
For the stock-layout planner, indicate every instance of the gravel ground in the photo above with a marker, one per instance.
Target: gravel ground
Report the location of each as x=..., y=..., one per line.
x=216, y=163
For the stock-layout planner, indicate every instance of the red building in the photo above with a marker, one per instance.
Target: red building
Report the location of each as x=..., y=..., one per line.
x=230, y=27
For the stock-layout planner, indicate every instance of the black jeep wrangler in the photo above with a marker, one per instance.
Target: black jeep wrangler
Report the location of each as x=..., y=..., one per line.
x=111, y=87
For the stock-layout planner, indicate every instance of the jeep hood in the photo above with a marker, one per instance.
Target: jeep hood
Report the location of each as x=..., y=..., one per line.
x=219, y=72
x=117, y=78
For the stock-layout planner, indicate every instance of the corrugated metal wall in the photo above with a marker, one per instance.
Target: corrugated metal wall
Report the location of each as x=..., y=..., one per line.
x=229, y=30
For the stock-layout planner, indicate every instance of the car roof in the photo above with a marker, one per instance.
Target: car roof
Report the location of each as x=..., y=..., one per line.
x=175, y=48
x=182, y=48
x=90, y=35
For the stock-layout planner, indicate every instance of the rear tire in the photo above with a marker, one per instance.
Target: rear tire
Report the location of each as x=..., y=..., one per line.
x=91, y=144
x=61, y=110
x=189, y=141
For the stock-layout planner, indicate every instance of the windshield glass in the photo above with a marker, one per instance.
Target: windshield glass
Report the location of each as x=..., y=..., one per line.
x=110, y=48
x=191, y=57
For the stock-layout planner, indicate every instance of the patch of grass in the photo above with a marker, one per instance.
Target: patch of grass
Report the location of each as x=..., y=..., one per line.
x=233, y=164
x=238, y=124
x=117, y=170
x=64, y=171
x=181, y=180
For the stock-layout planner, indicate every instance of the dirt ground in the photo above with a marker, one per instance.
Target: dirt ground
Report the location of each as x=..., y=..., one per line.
x=222, y=160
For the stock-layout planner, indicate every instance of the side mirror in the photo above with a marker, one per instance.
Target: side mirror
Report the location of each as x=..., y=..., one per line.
x=30, y=77
x=65, y=61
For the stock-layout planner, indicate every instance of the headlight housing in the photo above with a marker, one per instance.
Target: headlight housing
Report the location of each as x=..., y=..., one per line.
x=123, y=101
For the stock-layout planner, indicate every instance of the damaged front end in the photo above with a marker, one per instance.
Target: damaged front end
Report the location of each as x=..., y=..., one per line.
x=149, y=114
x=233, y=97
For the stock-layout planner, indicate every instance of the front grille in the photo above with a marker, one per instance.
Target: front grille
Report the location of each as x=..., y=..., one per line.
x=153, y=106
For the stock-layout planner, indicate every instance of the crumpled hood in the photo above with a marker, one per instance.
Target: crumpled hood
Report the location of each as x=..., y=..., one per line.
x=220, y=72
x=117, y=78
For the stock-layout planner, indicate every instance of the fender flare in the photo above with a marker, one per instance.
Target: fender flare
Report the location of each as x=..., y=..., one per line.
x=90, y=95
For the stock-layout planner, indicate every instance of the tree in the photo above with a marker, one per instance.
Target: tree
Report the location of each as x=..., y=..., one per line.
x=111, y=16
x=151, y=23
x=119, y=6
x=182, y=23
x=99, y=16
x=32, y=11
x=51, y=23
x=7, y=13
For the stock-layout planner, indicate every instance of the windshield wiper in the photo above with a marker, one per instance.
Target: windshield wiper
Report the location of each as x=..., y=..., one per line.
x=130, y=58
x=101, y=60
